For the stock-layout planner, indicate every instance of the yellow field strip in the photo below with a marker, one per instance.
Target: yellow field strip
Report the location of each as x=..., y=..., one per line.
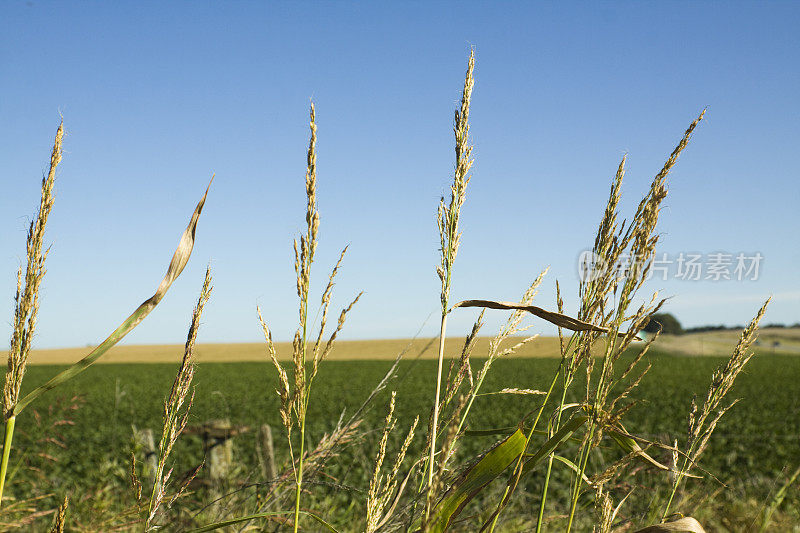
x=343, y=350
x=711, y=343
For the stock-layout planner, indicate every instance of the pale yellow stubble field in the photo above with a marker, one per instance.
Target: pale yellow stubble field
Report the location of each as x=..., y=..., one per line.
x=709, y=343
x=343, y=350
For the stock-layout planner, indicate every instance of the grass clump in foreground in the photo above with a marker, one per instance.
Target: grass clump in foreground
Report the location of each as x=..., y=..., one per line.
x=563, y=463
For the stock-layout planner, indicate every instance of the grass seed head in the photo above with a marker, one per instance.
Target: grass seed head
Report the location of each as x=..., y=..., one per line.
x=175, y=415
x=60, y=519
x=449, y=215
x=721, y=382
x=26, y=299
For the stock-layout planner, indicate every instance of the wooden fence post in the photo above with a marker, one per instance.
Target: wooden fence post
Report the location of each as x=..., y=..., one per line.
x=266, y=453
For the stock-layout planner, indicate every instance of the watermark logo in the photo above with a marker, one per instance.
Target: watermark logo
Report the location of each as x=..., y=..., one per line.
x=685, y=266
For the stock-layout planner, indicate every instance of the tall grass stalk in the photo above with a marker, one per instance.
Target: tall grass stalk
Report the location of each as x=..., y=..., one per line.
x=175, y=416
x=382, y=486
x=597, y=312
x=571, y=353
x=703, y=421
x=564, y=349
x=303, y=260
x=639, y=240
x=295, y=397
x=450, y=238
x=26, y=308
x=592, y=322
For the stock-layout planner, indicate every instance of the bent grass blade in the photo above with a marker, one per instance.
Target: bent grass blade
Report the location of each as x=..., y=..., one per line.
x=494, y=463
x=234, y=521
x=179, y=260
x=561, y=320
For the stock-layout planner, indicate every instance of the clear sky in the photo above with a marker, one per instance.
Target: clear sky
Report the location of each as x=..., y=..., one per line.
x=158, y=96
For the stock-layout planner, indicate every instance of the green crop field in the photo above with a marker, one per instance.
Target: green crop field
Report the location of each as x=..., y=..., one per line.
x=752, y=447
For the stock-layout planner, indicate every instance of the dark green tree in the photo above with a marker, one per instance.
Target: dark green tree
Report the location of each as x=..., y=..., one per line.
x=666, y=322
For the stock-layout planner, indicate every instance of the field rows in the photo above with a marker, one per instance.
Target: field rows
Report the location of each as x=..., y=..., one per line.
x=754, y=442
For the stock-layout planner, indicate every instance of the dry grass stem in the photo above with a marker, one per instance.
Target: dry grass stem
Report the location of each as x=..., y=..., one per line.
x=461, y=368
x=449, y=215
x=339, y=325
x=382, y=489
x=26, y=299
x=606, y=293
x=325, y=302
x=26, y=306
x=604, y=511
x=703, y=421
x=284, y=392
x=175, y=415
x=60, y=519
x=295, y=392
x=136, y=484
x=521, y=392
x=450, y=238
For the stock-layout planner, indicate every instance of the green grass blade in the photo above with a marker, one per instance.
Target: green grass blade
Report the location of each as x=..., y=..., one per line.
x=572, y=466
x=497, y=431
x=476, y=478
x=629, y=445
x=6, y=451
x=554, y=442
x=508, y=430
x=778, y=499
x=233, y=521
x=176, y=266
x=549, y=446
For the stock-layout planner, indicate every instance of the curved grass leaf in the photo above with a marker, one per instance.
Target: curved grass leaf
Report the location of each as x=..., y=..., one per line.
x=684, y=525
x=777, y=500
x=233, y=521
x=554, y=442
x=476, y=478
x=572, y=466
x=549, y=446
x=532, y=460
x=561, y=320
x=629, y=445
x=508, y=430
x=176, y=266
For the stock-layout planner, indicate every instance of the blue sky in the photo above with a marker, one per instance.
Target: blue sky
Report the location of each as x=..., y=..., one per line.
x=158, y=96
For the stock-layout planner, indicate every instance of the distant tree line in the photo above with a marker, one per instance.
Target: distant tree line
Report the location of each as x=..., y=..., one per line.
x=664, y=322
x=667, y=323
x=700, y=329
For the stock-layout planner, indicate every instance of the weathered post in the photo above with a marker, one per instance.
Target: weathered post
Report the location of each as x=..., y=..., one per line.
x=266, y=453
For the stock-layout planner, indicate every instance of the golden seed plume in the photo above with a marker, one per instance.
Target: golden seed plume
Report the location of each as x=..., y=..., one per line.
x=26, y=300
